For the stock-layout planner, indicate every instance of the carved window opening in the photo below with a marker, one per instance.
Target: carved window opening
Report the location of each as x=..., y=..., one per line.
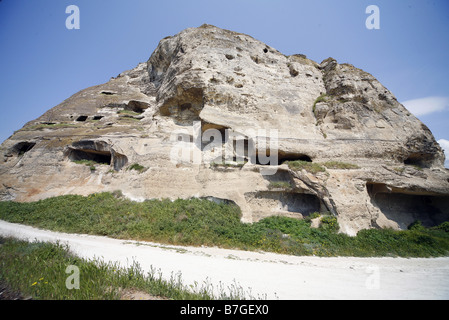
x=81, y=118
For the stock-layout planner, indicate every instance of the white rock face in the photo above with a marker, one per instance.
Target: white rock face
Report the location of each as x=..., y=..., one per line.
x=160, y=115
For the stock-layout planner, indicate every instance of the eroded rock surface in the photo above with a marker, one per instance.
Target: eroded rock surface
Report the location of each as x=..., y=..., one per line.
x=208, y=78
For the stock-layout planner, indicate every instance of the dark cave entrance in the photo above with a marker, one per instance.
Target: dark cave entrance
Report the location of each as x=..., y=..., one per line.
x=136, y=106
x=22, y=147
x=81, y=118
x=421, y=160
x=97, y=151
x=282, y=157
x=407, y=206
x=100, y=157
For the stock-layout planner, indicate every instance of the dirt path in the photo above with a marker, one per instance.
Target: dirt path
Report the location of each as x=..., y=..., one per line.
x=268, y=275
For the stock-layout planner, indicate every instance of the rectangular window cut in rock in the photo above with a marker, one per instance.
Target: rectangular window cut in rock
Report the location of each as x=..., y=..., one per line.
x=81, y=118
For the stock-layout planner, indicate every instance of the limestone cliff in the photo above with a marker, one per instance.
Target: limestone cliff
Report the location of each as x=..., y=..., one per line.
x=365, y=158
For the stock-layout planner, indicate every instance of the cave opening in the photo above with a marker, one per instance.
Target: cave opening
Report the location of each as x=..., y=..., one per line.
x=23, y=147
x=185, y=107
x=108, y=93
x=419, y=159
x=215, y=131
x=283, y=203
x=136, y=106
x=282, y=157
x=81, y=118
x=407, y=206
x=100, y=157
x=97, y=151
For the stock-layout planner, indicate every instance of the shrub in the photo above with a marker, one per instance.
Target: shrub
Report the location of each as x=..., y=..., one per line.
x=137, y=167
x=329, y=223
x=314, y=215
x=321, y=98
x=416, y=225
x=443, y=227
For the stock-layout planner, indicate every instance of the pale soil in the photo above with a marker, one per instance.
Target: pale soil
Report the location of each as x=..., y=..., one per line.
x=264, y=275
x=133, y=294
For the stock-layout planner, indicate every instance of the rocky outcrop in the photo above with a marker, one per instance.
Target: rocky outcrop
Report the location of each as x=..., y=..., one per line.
x=218, y=114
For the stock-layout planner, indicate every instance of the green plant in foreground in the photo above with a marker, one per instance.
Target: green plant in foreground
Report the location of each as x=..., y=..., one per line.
x=38, y=269
x=202, y=222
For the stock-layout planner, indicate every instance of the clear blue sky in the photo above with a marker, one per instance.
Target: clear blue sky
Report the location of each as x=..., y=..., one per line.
x=43, y=63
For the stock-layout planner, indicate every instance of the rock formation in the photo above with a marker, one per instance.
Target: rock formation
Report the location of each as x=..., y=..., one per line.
x=201, y=117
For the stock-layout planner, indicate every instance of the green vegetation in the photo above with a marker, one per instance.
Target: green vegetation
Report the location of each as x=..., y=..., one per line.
x=139, y=168
x=227, y=164
x=128, y=112
x=51, y=126
x=38, y=270
x=280, y=185
x=340, y=165
x=321, y=98
x=202, y=222
x=329, y=223
x=298, y=165
x=90, y=163
x=399, y=170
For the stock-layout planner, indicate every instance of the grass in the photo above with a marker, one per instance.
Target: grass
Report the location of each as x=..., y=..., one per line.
x=321, y=98
x=40, y=270
x=340, y=165
x=227, y=164
x=298, y=165
x=137, y=167
x=202, y=222
x=128, y=112
x=285, y=185
x=90, y=163
x=51, y=126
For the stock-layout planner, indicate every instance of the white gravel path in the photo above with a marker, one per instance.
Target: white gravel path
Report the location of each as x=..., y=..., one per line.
x=268, y=275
